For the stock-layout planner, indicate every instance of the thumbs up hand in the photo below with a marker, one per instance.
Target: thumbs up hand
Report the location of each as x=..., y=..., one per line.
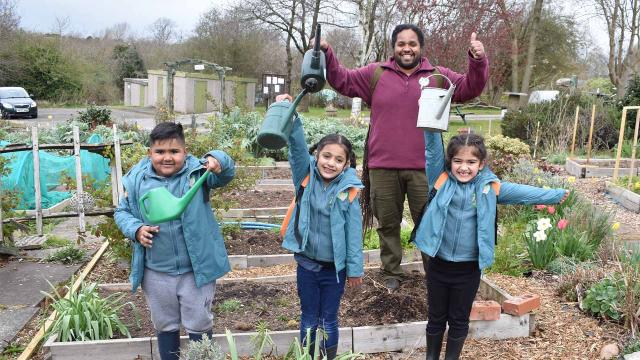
x=475, y=47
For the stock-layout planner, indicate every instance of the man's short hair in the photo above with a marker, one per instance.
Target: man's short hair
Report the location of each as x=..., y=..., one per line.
x=402, y=27
x=166, y=131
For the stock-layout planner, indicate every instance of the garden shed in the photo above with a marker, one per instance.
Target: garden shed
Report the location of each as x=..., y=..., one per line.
x=136, y=92
x=191, y=89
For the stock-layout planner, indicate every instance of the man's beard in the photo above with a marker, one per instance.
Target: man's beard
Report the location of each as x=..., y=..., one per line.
x=409, y=66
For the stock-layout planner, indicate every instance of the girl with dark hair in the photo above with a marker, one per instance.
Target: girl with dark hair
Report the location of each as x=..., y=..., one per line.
x=324, y=230
x=457, y=231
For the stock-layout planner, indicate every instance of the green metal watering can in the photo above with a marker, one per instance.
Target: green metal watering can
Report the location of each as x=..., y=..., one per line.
x=277, y=124
x=159, y=205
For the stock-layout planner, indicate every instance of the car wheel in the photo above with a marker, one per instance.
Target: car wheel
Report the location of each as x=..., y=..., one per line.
x=34, y=116
x=4, y=115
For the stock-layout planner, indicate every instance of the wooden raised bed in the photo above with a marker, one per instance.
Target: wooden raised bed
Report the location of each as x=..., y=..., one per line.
x=364, y=339
x=597, y=167
x=623, y=196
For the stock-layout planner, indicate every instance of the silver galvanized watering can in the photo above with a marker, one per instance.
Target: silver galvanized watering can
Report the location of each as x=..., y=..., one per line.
x=434, y=104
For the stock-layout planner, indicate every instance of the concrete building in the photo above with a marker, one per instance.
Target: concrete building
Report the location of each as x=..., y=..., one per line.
x=193, y=92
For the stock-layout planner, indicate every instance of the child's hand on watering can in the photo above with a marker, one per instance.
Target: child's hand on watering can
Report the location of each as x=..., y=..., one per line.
x=283, y=97
x=475, y=47
x=145, y=233
x=213, y=165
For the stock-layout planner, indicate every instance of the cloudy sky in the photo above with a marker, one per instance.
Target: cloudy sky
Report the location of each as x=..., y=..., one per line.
x=89, y=17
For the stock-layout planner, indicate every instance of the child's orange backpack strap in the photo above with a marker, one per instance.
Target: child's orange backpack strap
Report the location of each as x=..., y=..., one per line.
x=353, y=192
x=441, y=180
x=496, y=187
x=287, y=217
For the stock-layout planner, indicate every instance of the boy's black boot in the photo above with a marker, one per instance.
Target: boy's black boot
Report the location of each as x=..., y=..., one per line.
x=169, y=345
x=434, y=344
x=198, y=337
x=332, y=352
x=454, y=348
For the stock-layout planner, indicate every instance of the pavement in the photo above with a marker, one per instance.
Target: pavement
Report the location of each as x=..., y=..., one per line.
x=24, y=277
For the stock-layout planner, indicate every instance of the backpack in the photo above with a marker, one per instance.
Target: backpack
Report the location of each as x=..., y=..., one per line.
x=432, y=194
x=353, y=192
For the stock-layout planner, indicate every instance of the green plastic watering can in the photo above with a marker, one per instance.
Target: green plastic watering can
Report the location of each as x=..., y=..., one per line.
x=159, y=205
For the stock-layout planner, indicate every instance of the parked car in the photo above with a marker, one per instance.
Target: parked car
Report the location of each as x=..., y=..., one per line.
x=16, y=102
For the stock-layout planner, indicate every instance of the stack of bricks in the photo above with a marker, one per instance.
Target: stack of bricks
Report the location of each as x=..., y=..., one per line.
x=516, y=306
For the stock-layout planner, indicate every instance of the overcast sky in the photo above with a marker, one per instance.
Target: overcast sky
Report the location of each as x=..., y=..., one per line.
x=89, y=17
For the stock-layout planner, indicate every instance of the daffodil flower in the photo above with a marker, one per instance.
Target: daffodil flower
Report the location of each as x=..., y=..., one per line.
x=571, y=179
x=615, y=226
x=540, y=236
x=544, y=224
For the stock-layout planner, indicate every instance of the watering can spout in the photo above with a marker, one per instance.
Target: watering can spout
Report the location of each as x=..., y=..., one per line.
x=159, y=205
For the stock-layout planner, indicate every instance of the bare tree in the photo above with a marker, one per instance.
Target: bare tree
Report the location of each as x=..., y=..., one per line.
x=9, y=19
x=61, y=24
x=621, y=18
x=118, y=32
x=531, y=51
x=163, y=30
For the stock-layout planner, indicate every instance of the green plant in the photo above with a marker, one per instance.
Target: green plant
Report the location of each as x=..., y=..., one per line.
x=603, y=299
x=67, y=255
x=13, y=349
x=230, y=305
x=205, y=349
x=572, y=244
x=261, y=340
x=120, y=246
x=630, y=276
x=55, y=242
x=94, y=116
x=540, y=247
x=231, y=230
x=510, y=251
x=632, y=346
x=85, y=315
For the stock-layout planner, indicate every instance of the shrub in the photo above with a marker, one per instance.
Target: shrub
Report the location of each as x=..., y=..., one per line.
x=603, y=299
x=504, y=153
x=229, y=305
x=95, y=115
x=119, y=245
x=571, y=284
x=55, y=242
x=206, y=349
x=67, y=255
x=85, y=315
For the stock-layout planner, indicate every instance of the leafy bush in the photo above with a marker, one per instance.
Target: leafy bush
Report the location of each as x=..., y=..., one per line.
x=55, y=242
x=119, y=245
x=504, y=153
x=67, y=255
x=570, y=284
x=85, y=315
x=229, y=305
x=205, y=349
x=94, y=116
x=603, y=299
x=557, y=119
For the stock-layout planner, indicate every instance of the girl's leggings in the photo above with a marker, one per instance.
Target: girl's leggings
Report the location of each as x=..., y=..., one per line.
x=451, y=289
x=320, y=294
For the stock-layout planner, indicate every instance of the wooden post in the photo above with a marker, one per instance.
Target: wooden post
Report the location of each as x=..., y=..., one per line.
x=593, y=120
x=575, y=130
x=620, y=141
x=633, y=150
x=535, y=144
x=118, y=161
x=36, y=178
x=79, y=191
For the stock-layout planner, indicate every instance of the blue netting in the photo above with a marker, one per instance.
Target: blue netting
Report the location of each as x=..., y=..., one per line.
x=20, y=177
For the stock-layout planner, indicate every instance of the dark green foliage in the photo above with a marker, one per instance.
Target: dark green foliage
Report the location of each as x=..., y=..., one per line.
x=128, y=64
x=603, y=299
x=47, y=73
x=95, y=115
x=632, y=98
x=67, y=255
x=556, y=123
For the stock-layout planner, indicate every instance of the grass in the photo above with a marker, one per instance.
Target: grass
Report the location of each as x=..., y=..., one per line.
x=230, y=305
x=55, y=242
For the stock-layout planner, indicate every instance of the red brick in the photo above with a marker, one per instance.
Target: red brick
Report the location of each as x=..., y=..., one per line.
x=521, y=305
x=485, y=310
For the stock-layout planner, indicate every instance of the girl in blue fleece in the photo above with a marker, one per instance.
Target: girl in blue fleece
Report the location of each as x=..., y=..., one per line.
x=457, y=231
x=177, y=261
x=325, y=230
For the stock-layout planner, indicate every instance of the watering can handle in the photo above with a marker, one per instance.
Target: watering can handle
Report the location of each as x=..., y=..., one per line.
x=143, y=206
x=426, y=83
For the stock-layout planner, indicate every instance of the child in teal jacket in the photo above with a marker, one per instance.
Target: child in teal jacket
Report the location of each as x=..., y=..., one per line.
x=457, y=231
x=177, y=262
x=324, y=231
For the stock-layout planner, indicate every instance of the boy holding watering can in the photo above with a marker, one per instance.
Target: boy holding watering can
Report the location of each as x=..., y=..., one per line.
x=394, y=150
x=178, y=261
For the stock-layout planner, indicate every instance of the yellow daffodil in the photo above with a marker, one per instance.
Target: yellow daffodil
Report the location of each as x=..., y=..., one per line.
x=571, y=179
x=615, y=226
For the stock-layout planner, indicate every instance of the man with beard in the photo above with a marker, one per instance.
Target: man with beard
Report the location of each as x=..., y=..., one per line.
x=394, y=159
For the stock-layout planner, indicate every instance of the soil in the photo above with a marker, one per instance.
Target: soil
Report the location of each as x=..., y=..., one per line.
x=279, y=307
x=258, y=198
x=254, y=242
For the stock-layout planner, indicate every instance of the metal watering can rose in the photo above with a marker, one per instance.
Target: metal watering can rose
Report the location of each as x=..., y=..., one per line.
x=159, y=205
x=434, y=105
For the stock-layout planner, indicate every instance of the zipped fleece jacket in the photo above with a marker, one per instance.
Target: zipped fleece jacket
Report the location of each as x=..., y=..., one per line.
x=345, y=216
x=394, y=140
x=430, y=233
x=196, y=231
